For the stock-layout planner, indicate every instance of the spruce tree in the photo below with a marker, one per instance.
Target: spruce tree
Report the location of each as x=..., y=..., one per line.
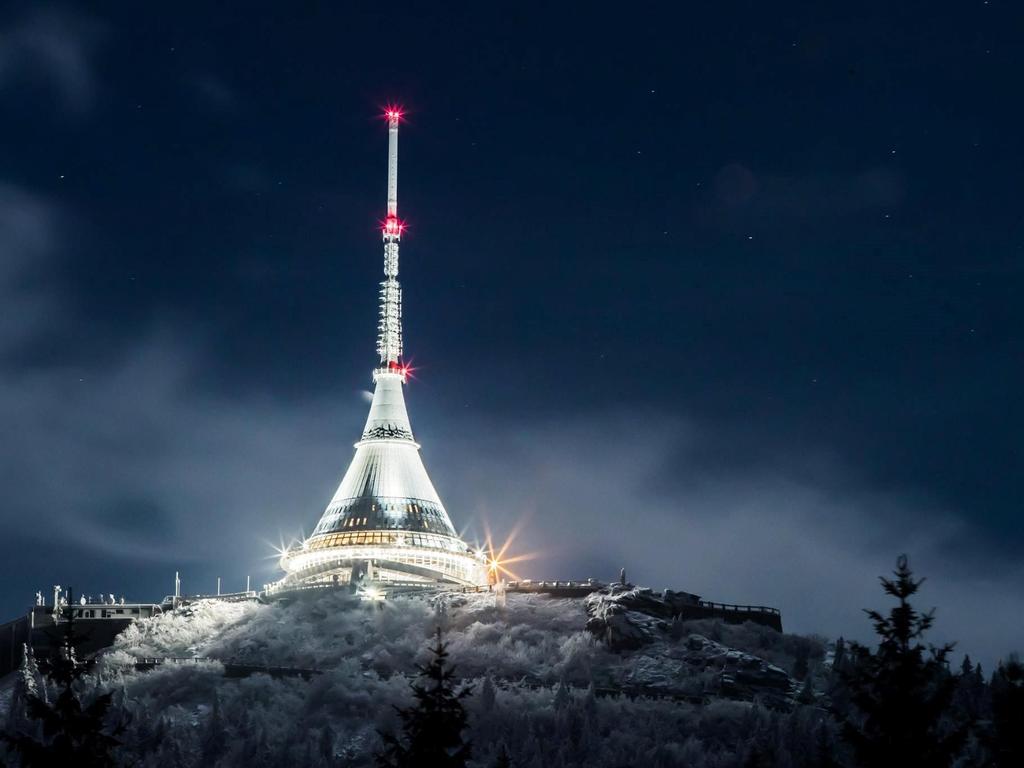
x=801, y=662
x=73, y=733
x=806, y=696
x=326, y=746
x=26, y=683
x=970, y=697
x=215, y=737
x=433, y=727
x=503, y=760
x=1007, y=741
x=900, y=695
x=823, y=749
x=488, y=695
x=839, y=655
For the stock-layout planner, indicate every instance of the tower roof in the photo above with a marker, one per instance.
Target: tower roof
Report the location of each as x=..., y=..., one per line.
x=388, y=418
x=386, y=486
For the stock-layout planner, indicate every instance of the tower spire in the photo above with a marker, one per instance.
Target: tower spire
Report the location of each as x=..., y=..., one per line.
x=386, y=517
x=389, y=326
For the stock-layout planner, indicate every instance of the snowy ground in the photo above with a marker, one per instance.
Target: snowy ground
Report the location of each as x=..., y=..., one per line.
x=541, y=683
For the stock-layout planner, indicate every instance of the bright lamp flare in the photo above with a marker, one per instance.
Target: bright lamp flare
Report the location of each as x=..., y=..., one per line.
x=498, y=561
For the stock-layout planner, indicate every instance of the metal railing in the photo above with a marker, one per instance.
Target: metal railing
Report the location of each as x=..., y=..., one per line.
x=730, y=607
x=231, y=668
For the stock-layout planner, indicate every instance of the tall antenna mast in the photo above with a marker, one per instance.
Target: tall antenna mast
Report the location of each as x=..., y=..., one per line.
x=389, y=326
x=385, y=523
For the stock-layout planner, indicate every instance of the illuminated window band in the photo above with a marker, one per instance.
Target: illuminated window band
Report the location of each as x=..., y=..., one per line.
x=333, y=564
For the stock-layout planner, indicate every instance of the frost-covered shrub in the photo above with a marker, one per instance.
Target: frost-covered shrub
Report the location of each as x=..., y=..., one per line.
x=185, y=632
x=542, y=685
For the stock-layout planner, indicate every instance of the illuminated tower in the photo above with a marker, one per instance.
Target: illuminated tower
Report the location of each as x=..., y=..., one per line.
x=386, y=522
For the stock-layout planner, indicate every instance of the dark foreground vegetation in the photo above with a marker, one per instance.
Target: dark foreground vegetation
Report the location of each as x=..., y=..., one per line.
x=897, y=704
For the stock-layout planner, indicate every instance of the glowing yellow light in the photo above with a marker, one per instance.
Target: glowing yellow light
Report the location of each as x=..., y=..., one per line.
x=280, y=549
x=497, y=562
x=372, y=593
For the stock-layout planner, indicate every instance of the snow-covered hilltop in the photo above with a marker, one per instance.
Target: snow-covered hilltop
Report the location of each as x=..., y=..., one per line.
x=547, y=686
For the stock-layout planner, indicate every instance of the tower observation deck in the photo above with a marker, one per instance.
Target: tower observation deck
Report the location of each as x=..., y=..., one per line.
x=386, y=521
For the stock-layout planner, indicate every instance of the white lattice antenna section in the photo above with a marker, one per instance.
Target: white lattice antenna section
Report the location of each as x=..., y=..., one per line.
x=389, y=326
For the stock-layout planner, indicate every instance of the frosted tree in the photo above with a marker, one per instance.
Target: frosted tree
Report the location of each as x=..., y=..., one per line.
x=215, y=738
x=562, y=698
x=488, y=695
x=70, y=730
x=27, y=683
x=325, y=747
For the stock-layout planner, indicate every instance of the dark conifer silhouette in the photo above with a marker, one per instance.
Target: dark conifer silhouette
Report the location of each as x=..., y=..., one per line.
x=1007, y=740
x=971, y=700
x=72, y=733
x=839, y=656
x=432, y=728
x=823, y=749
x=503, y=760
x=801, y=664
x=900, y=695
x=214, y=742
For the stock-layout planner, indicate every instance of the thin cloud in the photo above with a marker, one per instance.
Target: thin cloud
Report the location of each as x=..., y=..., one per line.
x=56, y=47
x=740, y=194
x=131, y=462
x=603, y=495
x=27, y=225
x=215, y=92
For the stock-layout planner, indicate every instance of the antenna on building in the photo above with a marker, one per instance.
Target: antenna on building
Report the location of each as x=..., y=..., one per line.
x=218, y=586
x=247, y=584
x=389, y=327
x=177, y=585
x=386, y=509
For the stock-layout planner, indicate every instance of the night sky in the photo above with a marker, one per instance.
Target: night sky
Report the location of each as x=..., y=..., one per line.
x=728, y=294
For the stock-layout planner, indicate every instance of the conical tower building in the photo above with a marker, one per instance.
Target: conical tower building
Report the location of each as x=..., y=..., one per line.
x=386, y=522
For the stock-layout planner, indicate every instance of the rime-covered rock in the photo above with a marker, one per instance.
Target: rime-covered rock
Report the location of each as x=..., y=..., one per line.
x=742, y=675
x=628, y=617
x=634, y=619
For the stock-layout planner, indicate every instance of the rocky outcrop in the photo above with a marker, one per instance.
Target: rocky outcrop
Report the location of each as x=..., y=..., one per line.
x=739, y=675
x=663, y=659
x=627, y=617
